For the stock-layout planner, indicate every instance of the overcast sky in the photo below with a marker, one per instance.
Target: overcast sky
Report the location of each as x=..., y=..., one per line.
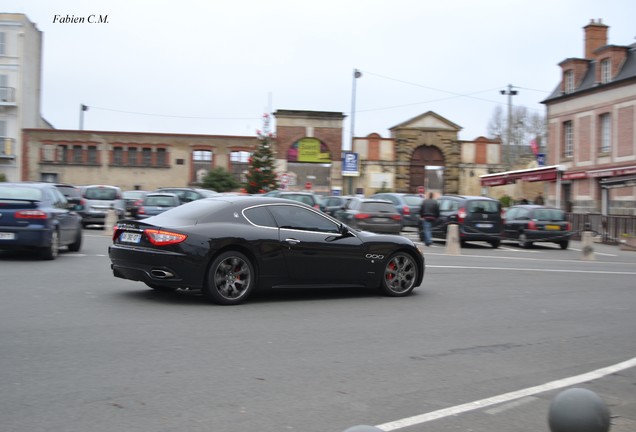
x=214, y=67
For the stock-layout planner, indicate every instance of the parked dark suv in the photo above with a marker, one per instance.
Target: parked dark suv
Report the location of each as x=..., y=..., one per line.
x=478, y=217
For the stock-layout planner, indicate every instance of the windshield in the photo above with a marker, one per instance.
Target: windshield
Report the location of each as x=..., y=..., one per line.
x=101, y=193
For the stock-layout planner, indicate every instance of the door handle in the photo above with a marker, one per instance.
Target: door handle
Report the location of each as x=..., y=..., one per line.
x=292, y=241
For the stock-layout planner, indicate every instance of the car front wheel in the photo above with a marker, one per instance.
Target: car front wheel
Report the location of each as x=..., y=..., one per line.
x=230, y=280
x=400, y=274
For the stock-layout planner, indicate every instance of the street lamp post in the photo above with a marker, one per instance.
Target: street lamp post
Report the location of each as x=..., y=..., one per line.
x=356, y=74
x=510, y=93
x=82, y=109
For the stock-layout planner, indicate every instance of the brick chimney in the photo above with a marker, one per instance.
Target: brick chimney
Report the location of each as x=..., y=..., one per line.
x=595, y=37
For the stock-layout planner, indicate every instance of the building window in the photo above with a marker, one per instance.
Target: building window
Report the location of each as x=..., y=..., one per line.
x=48, y=153
x=5, y=94
x=568, y=139
x=569, y=81
x=3, y=43
x=202, y=155
x=62, y=154
x=161, y=157
x=606, y=133
x=606, y=71
x=146, y=156
x=92, y=155
x=77, y=154
x=239, y=156
x=118, y=156
x=132, y=156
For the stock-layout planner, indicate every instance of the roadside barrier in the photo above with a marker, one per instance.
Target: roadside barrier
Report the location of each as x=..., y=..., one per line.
x=587, y=249
x=453, y=246
x=109, y=221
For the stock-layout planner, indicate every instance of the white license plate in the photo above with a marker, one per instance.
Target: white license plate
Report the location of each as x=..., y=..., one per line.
x=7, y=236
x=483, y=225
x=129, y=237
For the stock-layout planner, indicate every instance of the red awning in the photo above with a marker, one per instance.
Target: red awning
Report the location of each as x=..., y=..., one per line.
x=548, y=173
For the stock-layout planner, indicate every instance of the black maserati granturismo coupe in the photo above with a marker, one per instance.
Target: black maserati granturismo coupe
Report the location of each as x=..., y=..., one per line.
x=232, y=245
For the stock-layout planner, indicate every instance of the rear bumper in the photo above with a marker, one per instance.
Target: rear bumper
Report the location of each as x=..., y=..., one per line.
x=547, y=236
x=26, y=238
x=156, y=268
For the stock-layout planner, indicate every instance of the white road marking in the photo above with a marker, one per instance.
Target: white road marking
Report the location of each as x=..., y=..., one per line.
x=534, y=269
x=506, y=397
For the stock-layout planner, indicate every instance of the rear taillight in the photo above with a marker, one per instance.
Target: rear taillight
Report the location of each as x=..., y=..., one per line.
x=567, y=226
x=138, y=202
x=461, y=215
x=396, y=217
x=406, y=210
x=531, y=226
x=164, y=238
x=361, y=216
x=141, y=210
x=30, y=214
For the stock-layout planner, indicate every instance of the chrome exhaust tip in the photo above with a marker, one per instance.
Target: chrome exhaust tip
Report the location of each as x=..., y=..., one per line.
x=161, y=274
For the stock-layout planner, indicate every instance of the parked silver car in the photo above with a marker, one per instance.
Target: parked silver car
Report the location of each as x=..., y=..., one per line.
x=97, y=200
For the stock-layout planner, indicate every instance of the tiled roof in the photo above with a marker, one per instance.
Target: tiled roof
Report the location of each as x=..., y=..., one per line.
x=628, y=71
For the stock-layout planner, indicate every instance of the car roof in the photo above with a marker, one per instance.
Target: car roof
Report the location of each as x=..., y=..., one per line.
x=28, y=183
x=468, y=197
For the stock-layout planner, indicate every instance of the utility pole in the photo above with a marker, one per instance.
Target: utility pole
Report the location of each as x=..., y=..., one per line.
x=510, y=93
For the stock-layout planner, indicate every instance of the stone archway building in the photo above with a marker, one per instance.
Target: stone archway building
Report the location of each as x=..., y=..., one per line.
x=419, y=136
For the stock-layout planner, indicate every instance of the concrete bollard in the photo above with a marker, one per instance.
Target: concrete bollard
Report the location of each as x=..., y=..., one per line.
x=578, y=410
x=453, y=246
x=587, y=249
x=109, y=221
x=363, y=428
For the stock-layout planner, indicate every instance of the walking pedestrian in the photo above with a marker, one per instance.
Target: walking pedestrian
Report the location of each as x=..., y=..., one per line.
x=539, y=199
x=429, y=213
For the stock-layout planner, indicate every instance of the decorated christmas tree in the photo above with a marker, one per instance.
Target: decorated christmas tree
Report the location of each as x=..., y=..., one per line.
x=261, y=176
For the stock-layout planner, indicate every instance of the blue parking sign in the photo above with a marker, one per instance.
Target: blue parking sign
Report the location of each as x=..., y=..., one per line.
x=541, y=159
x=350, y=164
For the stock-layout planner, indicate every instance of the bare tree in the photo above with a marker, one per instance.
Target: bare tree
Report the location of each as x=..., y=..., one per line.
x=525, y=126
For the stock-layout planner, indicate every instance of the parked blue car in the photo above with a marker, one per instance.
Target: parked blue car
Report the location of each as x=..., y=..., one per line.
x=37, y=217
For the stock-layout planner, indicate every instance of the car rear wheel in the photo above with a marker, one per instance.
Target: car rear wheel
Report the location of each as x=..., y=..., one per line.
x=523, y=241
x=494, y=243
x=51, y=251
x=564, y=244
x=230, y=280
x=77, y=244
x=400, y=275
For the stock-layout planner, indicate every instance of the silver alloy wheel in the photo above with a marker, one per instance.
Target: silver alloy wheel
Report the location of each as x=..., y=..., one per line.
x=400, y=274
x=523, y=240
x=232, y=277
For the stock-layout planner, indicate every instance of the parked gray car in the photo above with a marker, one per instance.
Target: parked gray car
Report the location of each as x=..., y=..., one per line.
x=156, y=203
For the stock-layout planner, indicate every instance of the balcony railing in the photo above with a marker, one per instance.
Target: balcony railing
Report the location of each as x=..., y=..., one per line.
x=7, y=148
x=7, y=96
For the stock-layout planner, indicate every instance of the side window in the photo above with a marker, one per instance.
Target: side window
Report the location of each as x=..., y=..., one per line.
x=511, y=214
x=59, y=200
x=260, y=216
x=446, y=205
x=296, y=217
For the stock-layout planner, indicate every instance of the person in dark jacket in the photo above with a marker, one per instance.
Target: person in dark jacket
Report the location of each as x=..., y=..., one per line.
x=429, y=213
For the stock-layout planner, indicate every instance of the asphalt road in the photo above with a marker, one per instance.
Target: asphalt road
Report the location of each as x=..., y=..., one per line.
x=485, y=344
